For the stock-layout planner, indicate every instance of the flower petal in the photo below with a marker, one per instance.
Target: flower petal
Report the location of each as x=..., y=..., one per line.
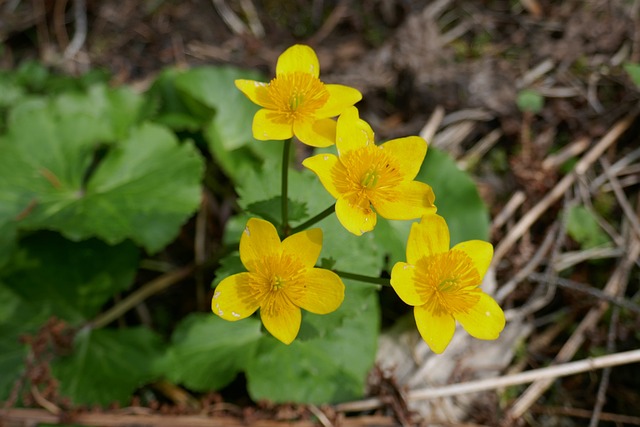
x=305, y=246
x=485, y=320
x=259, y=240
x=321, y=133
x=409, y=152
x=436, y=330
x=340, y=98
x=352, y=132
x=324, y=292
x=255, y=91
x=429, y=236
x=268, y=124
x=408, y=200
x=283, y=324
x=325, y=166
x=403, y=282
x=234, y=299
x=479, y=251
x=298, y=58
x=358, y=218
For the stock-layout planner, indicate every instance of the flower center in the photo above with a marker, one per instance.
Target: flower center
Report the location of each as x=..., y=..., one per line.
x=295, y=96
x=369, y=174
x=277, y=283
x=370, y=179
x=277, y=280
x=449, y=281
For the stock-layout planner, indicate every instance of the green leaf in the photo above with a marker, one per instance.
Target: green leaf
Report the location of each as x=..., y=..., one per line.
x=633, y=70
x=530, y=100
x=330, y=359
x=206, y=352
x=106, y=366
x=458, y=202
x=271, y=210
x=583, y=227
x=55, y=174
x=71, y=280
x=214, y=87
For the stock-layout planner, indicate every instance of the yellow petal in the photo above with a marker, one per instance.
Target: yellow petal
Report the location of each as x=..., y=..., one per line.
x=408, y=200
x=305, y=246
x=479, y=251
x=340, y=98
x=356, y=218
x=324, y=292
x=321, y=133
x=484, y=321
x=259, y=240
x=234, y=298
x=430, y=236
x=409, y=152
x=271, y=125
x=403, y=282
x=325, y=166
x=436, y=330
x=298, y=58
x=352, y=132
x=255, y=91
x=284, y=323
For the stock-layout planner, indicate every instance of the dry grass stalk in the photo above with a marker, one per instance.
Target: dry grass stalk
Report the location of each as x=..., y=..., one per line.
x=616, y=283
x=558, y=191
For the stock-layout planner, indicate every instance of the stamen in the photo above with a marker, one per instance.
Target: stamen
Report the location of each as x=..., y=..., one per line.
x=449, y=281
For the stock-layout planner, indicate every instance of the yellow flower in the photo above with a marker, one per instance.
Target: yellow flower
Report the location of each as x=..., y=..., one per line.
x=366, y=175
x=443, y=284
x=281, y=280
x=296, y=102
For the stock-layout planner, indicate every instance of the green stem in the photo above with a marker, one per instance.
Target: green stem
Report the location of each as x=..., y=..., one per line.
x=285, y=187
x=361, y=278
x=322, y=215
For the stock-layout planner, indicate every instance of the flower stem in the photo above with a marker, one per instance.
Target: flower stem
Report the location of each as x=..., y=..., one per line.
x=322, y=215
x=361, y=278
x=285, y=187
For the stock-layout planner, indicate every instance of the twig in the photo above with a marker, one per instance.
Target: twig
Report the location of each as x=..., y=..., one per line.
x=80, y=33
x=589, y=290
x=252, y=16
x=230, y=18
x=479, y=149
x=535, y=73
x=429, y=130
x=585, y=162
x=42, y=401
x=550, y=372
x=334, y=18
x=141, y=294
x=321, y=416
x=529, y=268
x=616, y=282
x=508, y=210
x=574, y=148
x=615, y=169
x=632, y=216
x=606, y=372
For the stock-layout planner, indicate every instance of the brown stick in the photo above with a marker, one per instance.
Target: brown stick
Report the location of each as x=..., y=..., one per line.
x=585, y=162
